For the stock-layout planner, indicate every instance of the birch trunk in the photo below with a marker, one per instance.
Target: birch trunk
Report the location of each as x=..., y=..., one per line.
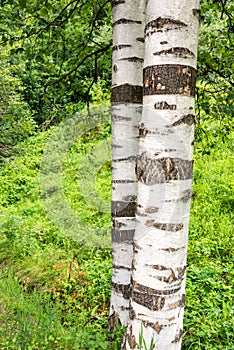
x=164, y=173
x=127, y=92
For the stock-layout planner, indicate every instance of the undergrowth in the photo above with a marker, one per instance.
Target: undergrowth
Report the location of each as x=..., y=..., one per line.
x=54, y=291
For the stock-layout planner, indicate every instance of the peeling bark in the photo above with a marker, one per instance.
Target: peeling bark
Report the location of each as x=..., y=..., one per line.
x=127, y=93
x=169, y=80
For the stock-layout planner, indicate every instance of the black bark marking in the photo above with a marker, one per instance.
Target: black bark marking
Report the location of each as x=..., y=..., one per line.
x=121, y=267
x=132, y=314
x=113, y=321
x=117, y=2
x=159, y=267
x=178, y=303
x=130, y=338
x=175, y=275
x=178, y=336
x=130, y=158
x=142, y=130
x=168, y=227
x=153, y=171
x=123, y=209
x=180, y=52
x=164, y=105
x=188, y=119
x=145, y=290
x=120, y=236
x=169, y=79
x=197, y=13
x=172, y=250
x=122, y=289
x=116, y=146
x=117, y=224
x=130, y=198
x=123, y=181
x=149, y=300
x=132, y=59
x=179, y=271
x=163, y=42
x=119, y=47
x=116, y=117
x=126, y=21
x=156, y=326
x=127, y=93
x=142, y=40
x=125, y=307
x=163, y=25
x=186, y=196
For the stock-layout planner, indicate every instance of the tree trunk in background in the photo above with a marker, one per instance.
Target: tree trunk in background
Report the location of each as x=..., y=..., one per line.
x=164, y=173
x=127, y=92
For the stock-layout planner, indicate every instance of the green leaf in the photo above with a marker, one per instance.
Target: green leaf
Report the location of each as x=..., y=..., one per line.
x=22, y=3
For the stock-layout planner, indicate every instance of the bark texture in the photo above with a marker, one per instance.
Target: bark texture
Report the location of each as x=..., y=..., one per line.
x=127, y=94
x=164, y=174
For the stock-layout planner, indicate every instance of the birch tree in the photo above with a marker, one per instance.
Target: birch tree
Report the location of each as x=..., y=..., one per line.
x=164, y=175
x=127, y=82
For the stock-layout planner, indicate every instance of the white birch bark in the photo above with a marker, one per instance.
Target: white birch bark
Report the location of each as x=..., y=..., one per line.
x=164, y=172
x=127, y=92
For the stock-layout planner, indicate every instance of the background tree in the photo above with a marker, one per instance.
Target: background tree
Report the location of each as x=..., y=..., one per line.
x=128, y=55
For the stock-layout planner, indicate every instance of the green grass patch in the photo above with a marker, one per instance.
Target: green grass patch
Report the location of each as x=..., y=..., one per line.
x=54, y=291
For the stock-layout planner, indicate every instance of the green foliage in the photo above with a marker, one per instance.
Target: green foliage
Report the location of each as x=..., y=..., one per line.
x=16, y=122
x=61, y=53
x=54, y=292
x=215, y=72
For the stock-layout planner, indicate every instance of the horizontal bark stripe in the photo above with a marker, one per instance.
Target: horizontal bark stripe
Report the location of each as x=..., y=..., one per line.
x=169, y=79
x=153, y=171
x=150, y=291
x=127, y=93
x=132, y=59
x=163, y=24
x=116, y=117
x=123, y=209
x=122, y=289
x=128, y=159
x=121, y=267
x=181, y=52
x=125, y=21
x=123, y=181
x=151, y=301
x=164, y=105
x=119, y=47
x=142, y=40
x=120, y=236
x=117, y=2
x=172, y=249
x=168, y=227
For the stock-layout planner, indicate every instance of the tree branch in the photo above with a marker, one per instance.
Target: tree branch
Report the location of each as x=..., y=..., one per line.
x=104, y=49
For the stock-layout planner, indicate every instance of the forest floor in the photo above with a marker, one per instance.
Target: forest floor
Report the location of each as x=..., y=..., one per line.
x=55, y=290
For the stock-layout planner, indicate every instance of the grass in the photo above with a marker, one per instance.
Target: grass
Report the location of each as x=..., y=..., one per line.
x=54, y=291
